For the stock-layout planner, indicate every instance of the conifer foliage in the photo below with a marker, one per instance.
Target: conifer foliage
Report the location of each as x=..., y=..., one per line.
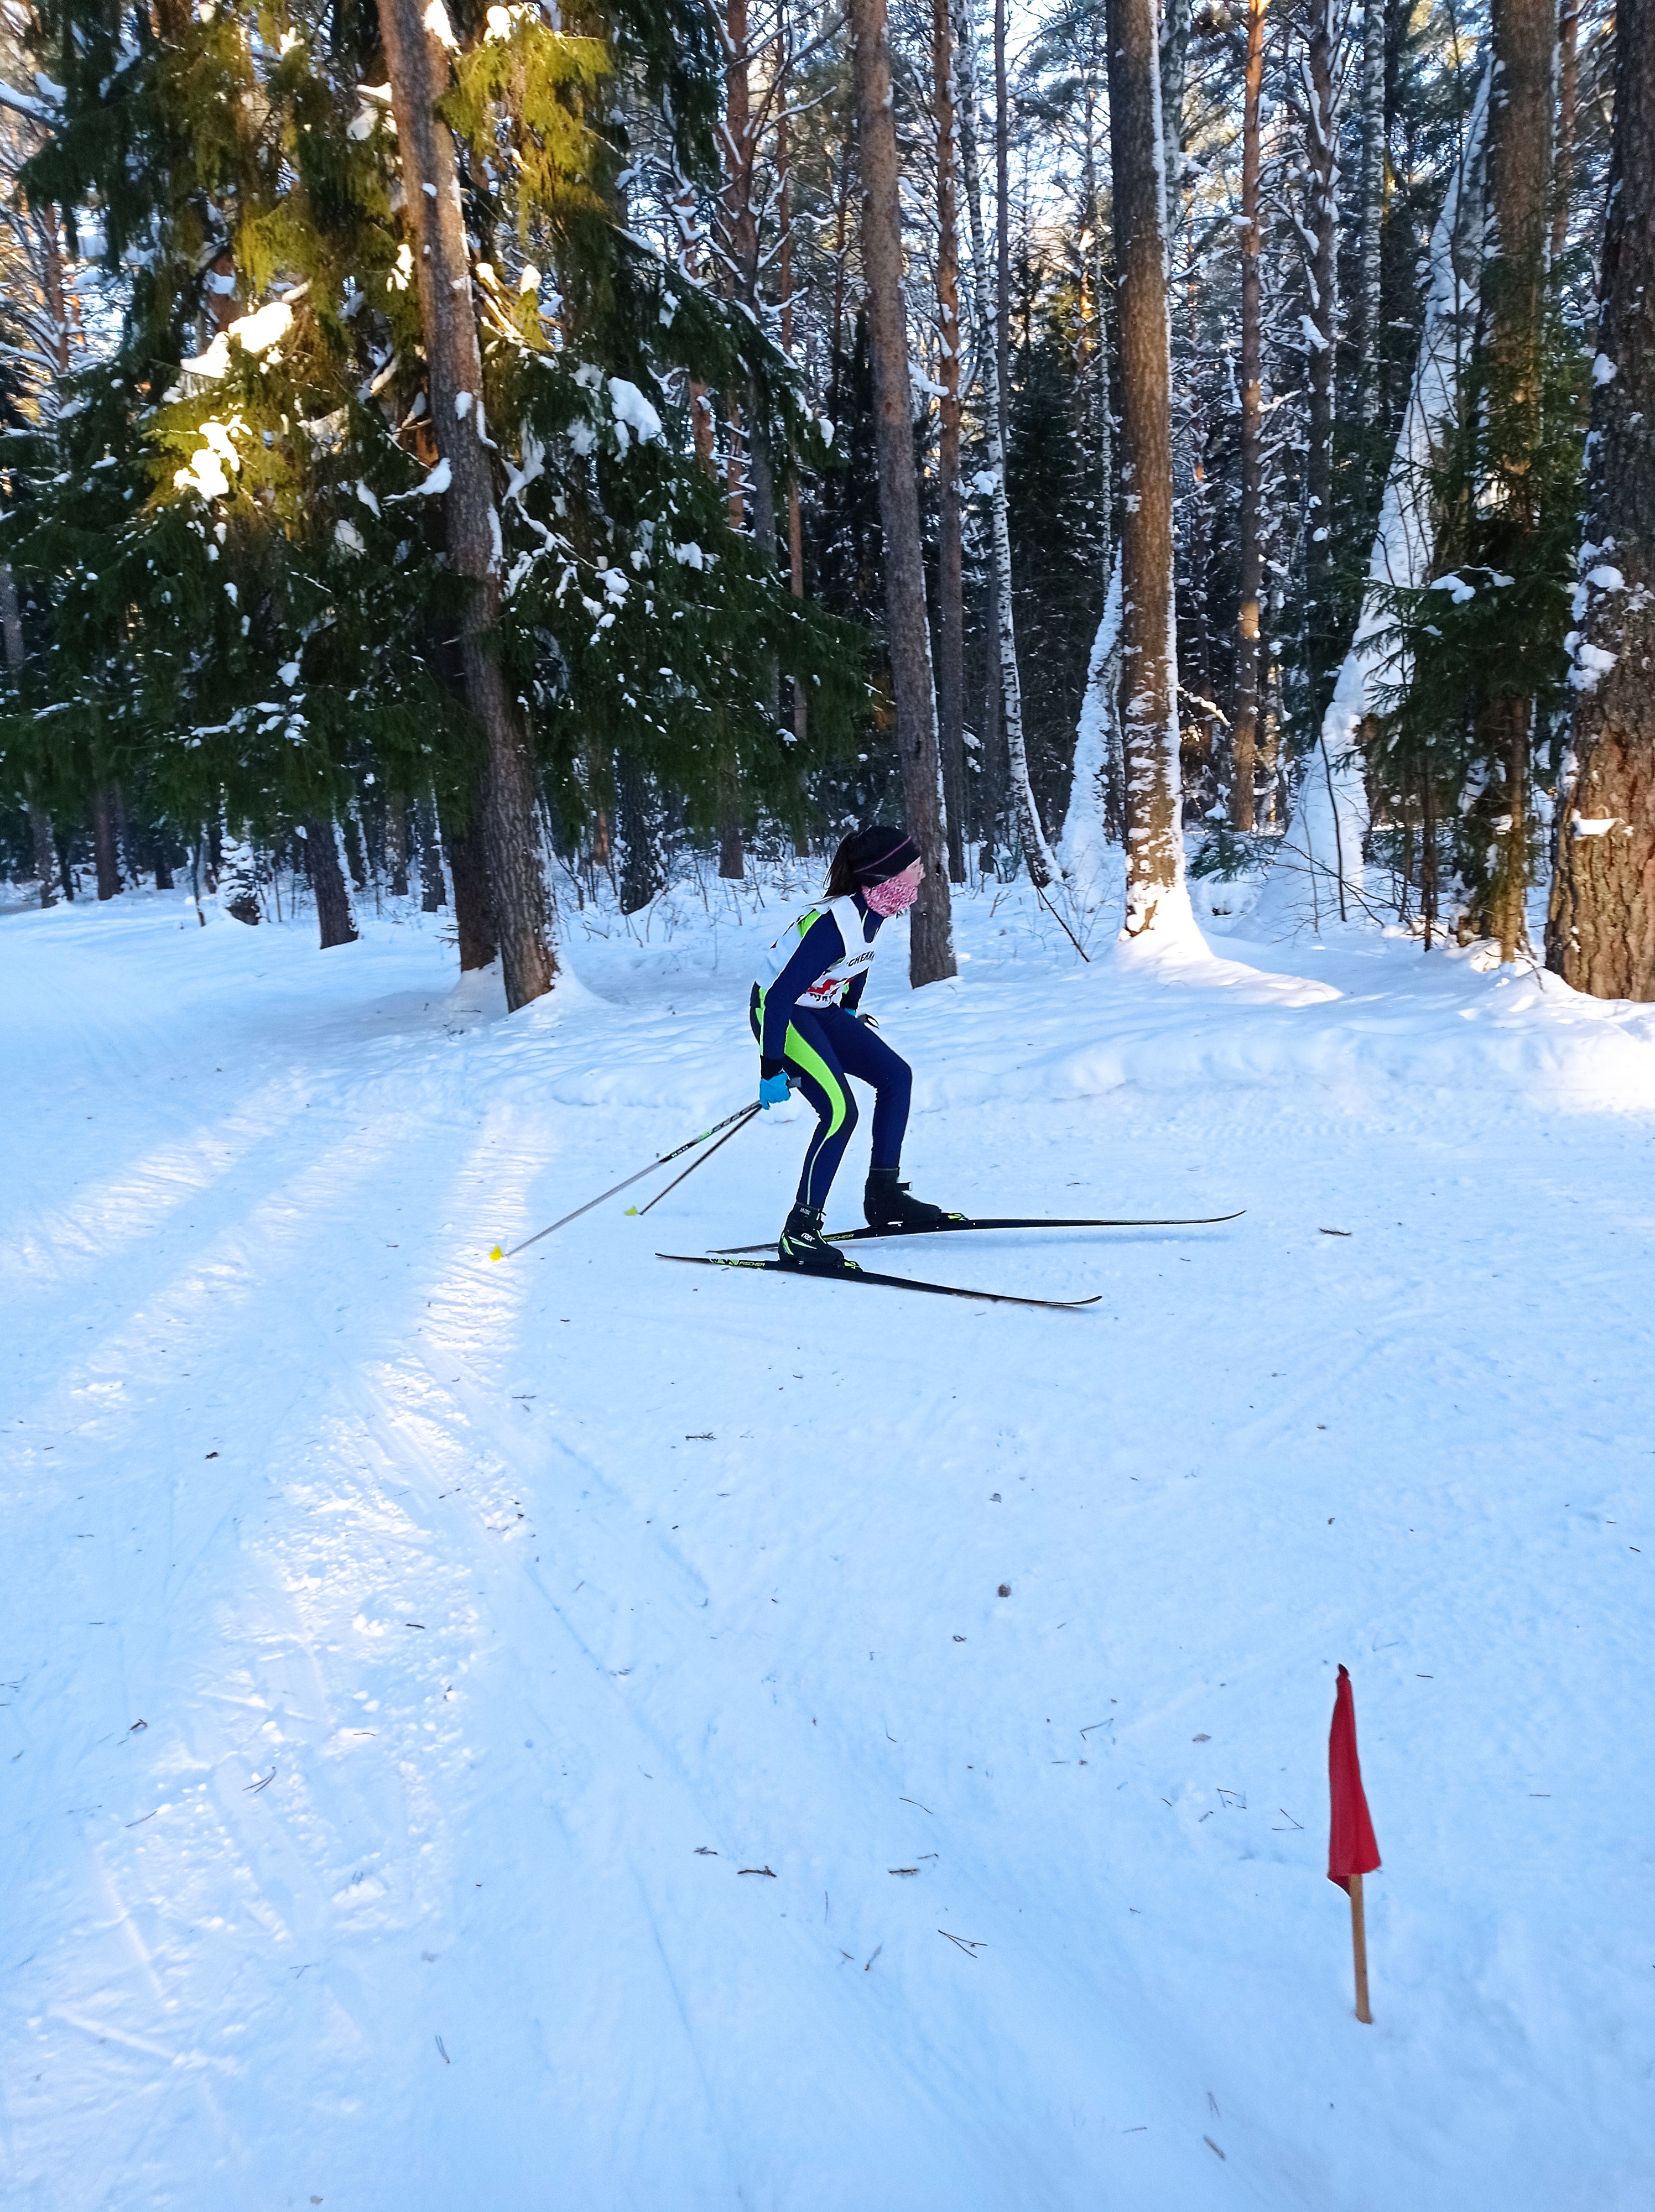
x=478, y=452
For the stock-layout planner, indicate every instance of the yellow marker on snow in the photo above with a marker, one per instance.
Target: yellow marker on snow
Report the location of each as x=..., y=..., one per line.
x=496, y=1254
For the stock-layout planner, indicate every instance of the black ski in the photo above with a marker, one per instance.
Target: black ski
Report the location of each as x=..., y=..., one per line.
x=887, y=1282
x=956, y=1222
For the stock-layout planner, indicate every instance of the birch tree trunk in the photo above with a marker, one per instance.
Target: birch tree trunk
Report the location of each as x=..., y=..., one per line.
x=931, y=946
x=951, y=579
x=1514, y=305
x=1174, y=71
x=992, y=355
x=1332, y=810
x=418, y=43
x=1249, y=526
x=1601, y=933
x=1156, y=898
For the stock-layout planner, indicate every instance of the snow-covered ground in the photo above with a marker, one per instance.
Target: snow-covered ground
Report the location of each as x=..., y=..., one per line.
x=410, y=1659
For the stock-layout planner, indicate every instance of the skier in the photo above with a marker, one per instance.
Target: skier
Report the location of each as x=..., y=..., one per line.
x=810, y=1032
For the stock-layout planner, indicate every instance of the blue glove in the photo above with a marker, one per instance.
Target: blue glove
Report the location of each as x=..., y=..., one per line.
x=773, y=1090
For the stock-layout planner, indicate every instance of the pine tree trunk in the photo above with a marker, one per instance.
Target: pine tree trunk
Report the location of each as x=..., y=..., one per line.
x=1321, y=150
x=931, y=948
x=104, y=848
x=335, y=922
x=1250, y=523
x=1514, y=305
x=951, y=572
x=473, y=908
x=1155, y=885
x=416, y=48
x=1601, y=934
x=992, y=355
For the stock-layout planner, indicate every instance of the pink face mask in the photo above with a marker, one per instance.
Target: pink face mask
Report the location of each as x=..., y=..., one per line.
x=890, y=898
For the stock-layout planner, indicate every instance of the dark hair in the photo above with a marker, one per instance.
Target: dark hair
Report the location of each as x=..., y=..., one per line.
x=870, y=856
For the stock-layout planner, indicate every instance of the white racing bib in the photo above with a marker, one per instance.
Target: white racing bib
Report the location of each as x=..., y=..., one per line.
x=855, y=956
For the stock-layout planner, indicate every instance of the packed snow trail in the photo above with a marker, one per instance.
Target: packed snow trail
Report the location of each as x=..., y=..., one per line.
x=408, y=1657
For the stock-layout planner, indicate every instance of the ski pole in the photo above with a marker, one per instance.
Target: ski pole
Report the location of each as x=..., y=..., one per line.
x=701, y=1163
x=743, y=1113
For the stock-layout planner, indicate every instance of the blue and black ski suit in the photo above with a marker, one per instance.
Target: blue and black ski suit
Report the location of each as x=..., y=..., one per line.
x=805, y=1021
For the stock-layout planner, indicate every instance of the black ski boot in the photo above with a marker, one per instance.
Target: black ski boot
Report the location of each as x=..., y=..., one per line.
x=802, y=1244
x=886, y=1204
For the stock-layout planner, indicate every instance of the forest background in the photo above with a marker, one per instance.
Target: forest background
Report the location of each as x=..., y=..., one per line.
x=483, y=455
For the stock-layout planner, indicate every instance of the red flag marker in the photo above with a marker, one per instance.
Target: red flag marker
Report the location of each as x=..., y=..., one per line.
x=1352, y=1850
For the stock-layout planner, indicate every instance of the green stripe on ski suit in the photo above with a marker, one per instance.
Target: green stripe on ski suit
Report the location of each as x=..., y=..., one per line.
x=807, y=1057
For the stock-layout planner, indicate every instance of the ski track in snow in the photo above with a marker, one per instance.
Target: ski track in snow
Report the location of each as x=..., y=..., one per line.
x=484, y=1622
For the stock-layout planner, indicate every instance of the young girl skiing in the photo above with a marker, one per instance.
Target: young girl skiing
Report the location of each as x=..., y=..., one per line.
x=805, y=1018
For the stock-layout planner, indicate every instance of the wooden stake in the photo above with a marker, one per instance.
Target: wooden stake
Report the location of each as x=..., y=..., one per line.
x=1359, y=1948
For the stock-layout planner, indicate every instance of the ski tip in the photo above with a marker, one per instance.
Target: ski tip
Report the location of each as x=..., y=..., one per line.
x=496, y=1254
x=631, y=1210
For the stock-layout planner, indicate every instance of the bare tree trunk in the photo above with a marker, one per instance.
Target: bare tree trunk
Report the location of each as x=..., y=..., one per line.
x=355, y=850
x=1251, y=521
x=1174, y=70
x=951, y=572
x=433, y=897
x=931, y=947
x=795, y=519
x=731, y=857
x=1601, y=934
x=641, y=873
x=396, y=841
x=335, y=922
x=1332, y=813
x=1514, y=302
x=993, y=352
x=1155, y=885
x=1094, y=265
x=1322, y=147
x=1368, y=332
x=1568, y=81
x=418, y=61
x=45, y=851
x=473, y=908
x=39, y=822
x=105, y=850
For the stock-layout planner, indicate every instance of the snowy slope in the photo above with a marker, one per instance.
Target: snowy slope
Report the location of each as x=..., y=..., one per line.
x=484, y=1623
